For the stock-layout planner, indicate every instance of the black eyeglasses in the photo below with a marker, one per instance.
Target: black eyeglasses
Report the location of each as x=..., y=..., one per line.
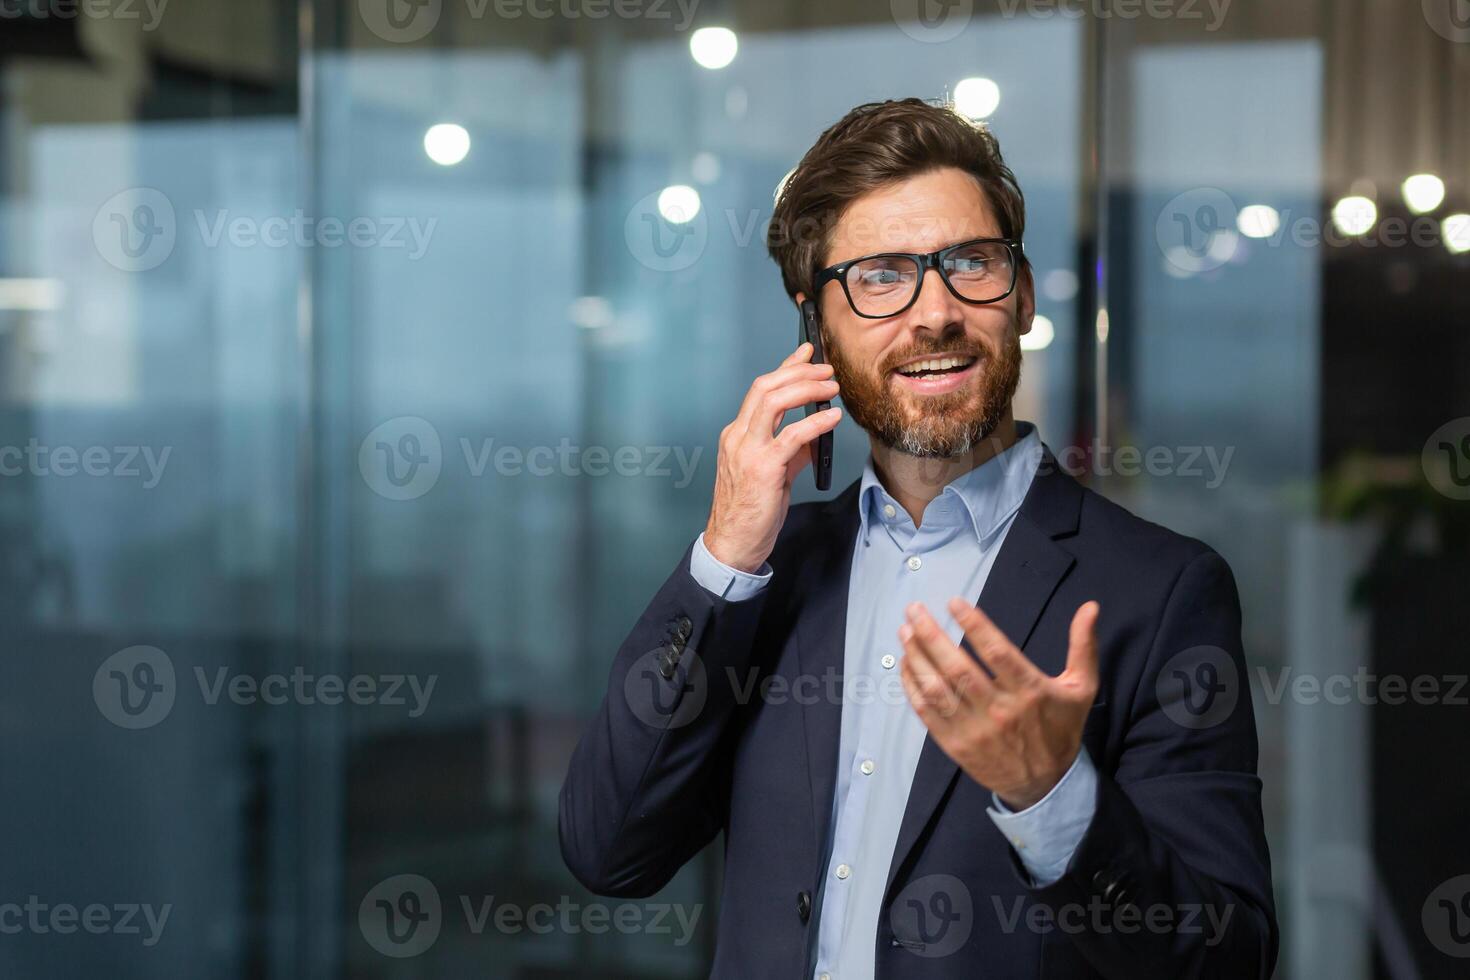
x=982, y=270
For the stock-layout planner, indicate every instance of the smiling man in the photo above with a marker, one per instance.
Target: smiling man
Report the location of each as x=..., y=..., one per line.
x=967, y=718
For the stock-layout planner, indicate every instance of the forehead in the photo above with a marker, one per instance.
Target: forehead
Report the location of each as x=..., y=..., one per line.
x=922, y=213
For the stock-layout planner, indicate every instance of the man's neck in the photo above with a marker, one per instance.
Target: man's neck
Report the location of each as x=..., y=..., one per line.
x=915, y=480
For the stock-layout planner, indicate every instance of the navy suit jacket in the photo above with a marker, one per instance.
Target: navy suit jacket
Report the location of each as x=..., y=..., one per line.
x=1172, y=878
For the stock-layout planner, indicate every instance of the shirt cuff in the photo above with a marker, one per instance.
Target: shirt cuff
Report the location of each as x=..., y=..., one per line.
x=1046, y=834
x=726, y=582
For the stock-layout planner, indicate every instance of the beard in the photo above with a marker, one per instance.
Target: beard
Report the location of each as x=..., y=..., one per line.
x=930, y=426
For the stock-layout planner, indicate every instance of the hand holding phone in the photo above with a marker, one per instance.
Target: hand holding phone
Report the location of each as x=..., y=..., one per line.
x=759, y=458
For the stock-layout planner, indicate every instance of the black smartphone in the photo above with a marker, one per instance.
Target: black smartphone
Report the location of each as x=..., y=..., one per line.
x=811, y=333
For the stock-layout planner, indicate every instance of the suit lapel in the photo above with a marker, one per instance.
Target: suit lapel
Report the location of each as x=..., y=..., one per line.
x=1026, y=572
x=821, y=640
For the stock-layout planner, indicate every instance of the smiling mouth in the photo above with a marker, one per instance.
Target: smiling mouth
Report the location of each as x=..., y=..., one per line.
x=936, y=367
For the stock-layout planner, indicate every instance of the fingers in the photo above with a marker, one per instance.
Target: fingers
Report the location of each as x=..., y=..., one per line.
x=762, y=388
x=794, y=439
x=1082, y=646
x=1010, y=666
x=935, y=653
x=801, y=436
x=933, y=700
x=803, y=352
x=769, y=412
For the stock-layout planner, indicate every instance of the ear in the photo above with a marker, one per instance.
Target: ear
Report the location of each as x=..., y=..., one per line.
x=799, y=299
x=1025, y=298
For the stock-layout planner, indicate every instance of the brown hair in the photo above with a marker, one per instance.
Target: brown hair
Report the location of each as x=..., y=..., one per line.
x=873, y=145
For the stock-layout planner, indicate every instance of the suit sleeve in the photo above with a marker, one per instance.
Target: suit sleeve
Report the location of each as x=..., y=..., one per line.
x=645, y=788
x=1172, y=877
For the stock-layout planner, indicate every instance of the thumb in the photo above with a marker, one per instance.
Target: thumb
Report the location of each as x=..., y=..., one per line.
x=1082, y=646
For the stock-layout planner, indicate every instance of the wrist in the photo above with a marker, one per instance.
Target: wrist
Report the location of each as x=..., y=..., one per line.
x=1024, y=798
x=1021, y=800
x=725, y=555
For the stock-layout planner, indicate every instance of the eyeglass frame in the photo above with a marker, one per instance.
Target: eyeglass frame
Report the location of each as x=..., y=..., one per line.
x=925, y=261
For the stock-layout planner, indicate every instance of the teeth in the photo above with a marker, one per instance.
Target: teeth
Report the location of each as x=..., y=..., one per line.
x=935, y=364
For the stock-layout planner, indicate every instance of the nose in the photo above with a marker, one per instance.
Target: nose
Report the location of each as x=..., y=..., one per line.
x=936, y=310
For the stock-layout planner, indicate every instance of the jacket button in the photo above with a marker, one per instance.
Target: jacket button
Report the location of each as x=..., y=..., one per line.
x=684, y=628
x=1115, y=889
x=668, y=662
x=804, y=906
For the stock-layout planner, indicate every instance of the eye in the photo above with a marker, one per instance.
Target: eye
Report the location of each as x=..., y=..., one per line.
x=881, y=274
x=967, y=264
x=980, y=261
x=880, y=277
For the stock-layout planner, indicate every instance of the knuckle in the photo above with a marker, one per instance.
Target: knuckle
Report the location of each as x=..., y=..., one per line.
x=967, y=684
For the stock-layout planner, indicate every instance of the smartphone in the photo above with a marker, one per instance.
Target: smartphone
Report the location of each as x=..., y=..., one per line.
x=811, y=333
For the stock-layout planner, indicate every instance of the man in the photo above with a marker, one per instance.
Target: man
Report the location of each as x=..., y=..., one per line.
x=1061, y=780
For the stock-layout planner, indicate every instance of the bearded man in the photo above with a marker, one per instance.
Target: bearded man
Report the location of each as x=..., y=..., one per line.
x=967, y=718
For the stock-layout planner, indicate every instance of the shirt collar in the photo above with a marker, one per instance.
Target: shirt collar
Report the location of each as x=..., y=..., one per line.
x=984, y=497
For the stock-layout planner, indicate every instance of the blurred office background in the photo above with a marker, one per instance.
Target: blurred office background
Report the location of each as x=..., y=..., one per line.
x=390, y=340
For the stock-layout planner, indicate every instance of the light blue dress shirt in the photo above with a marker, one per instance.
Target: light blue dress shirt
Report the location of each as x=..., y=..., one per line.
x=895, y=563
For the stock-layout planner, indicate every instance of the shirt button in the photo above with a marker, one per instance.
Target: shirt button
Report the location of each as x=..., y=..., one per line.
x=914, y=563
x=824, y=976
x=843, y=871
x=888, y=511
x=867, y=767
x=888, y=661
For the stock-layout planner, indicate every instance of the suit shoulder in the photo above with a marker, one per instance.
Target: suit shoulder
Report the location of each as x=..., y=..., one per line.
x=1135, y=540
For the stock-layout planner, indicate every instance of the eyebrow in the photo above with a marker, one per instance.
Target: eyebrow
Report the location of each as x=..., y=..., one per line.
x=921, y=251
